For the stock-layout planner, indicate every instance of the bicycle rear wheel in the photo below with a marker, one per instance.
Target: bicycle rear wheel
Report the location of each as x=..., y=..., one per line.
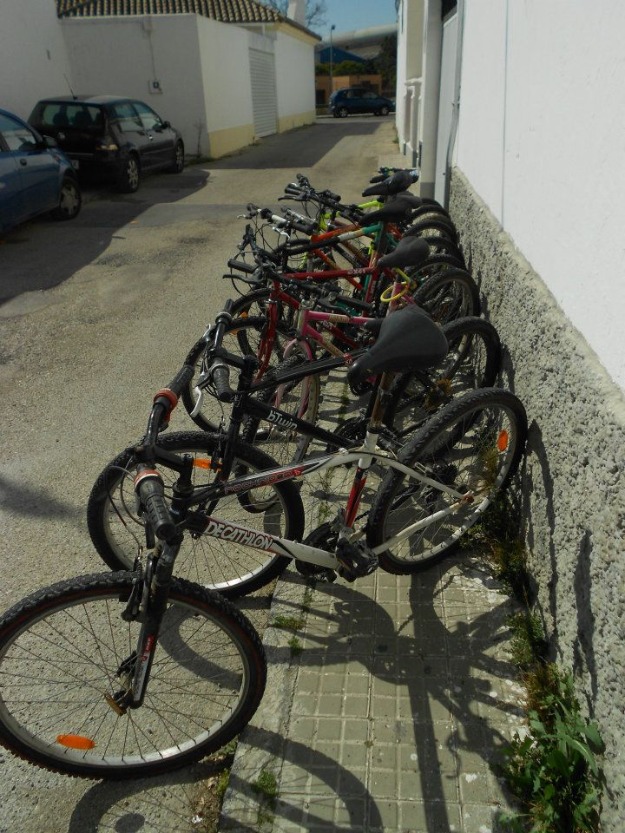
x=474, y=445
x=472, y=362
x=118, y=532
x=448, y=295
x=299, y=398
x=60, y=655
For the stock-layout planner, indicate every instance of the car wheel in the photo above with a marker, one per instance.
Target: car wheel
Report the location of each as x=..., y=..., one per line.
x=343, y=111
x=384, y=111
x=128, y=181
x=70, y=200
x=177, y=165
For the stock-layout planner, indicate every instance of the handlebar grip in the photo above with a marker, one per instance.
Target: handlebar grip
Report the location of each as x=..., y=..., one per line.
x=294, y=191
x=149, y=486
x=220, y=374
x=305, y=228
x=241, y=266
x=378, y=178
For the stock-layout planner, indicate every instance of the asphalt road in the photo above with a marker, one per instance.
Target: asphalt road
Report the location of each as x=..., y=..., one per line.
x=95, y=316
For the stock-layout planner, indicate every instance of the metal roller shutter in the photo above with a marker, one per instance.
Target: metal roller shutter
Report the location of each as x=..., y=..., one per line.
x=264, y=97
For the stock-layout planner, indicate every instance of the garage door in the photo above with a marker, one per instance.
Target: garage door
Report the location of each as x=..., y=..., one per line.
x=264, y=98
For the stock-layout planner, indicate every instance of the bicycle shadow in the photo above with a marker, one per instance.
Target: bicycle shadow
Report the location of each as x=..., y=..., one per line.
x=447, y=658
x=174, y=802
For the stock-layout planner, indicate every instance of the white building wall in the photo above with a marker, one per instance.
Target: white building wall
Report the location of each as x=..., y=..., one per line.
x=540, y=139
x=225, y=75
x=124, y=56
x=295, y=76
x=33, y=56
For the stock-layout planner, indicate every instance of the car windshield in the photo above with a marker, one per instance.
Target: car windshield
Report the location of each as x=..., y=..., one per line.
x=70, y=115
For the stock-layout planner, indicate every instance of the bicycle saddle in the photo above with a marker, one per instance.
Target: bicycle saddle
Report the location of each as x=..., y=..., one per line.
x=393, y=211
x=408, y=340
x=410, y=251
x=399, y=181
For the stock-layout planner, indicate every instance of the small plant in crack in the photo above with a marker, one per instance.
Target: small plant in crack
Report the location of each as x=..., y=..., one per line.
x=291, y=623
x=266, y=786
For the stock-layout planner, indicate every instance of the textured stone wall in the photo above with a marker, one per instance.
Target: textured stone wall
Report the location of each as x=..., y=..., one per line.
x=571, y=487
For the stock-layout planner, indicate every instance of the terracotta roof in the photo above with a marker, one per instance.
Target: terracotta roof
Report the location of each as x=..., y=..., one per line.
x=226, y=11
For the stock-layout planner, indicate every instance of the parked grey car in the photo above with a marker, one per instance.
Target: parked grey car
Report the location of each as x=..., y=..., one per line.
x=121, y=138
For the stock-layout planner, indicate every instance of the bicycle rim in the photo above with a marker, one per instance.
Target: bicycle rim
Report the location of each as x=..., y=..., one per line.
x=60, y=652
x=474, y=446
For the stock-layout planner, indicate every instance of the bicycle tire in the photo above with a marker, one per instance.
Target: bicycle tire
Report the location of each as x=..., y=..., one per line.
x=432, y=226
x=475, y=445
x=241, y=337
x=434, y=265
x=60, y=653
x=300, y=398
x=473, y=361
x=449, y=295
x=118, y=532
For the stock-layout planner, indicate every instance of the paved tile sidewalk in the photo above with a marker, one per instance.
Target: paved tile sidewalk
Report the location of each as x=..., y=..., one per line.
x=386, y=704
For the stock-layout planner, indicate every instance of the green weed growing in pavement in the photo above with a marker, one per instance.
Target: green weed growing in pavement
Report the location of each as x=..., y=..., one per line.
x=266, y=786
x=296, y=646
x=291, y=623
x=553, y=768
x=497, y=535
x=529, y=645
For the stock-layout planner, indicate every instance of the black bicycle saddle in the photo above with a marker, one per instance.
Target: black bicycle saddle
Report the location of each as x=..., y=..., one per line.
x=408, y=340
x=399, y=181
x=410, y=251
x=393, y=211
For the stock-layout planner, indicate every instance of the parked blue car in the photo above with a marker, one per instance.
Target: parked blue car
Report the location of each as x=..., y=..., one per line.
x=352, y=100
x=35, y=175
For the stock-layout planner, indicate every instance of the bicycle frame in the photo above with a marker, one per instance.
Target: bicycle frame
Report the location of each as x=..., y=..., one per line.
x=364, y=457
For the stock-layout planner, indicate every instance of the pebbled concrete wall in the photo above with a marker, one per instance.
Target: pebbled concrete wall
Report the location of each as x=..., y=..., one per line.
x=571, y=487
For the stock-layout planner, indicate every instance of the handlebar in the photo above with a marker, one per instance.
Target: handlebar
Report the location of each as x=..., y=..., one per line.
x=149, y=486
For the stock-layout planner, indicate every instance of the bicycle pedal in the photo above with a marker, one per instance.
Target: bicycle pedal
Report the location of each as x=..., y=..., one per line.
x=355, y=561
x=322, y=574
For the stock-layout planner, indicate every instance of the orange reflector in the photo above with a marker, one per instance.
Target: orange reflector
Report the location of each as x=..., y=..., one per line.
x=75, y=742
x=502, y=440
x=202, y=464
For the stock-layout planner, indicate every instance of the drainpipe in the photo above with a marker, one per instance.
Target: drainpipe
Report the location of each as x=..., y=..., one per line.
x=456, y=103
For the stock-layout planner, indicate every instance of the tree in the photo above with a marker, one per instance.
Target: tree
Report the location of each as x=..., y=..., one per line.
x=316, y=11
x=387, y=61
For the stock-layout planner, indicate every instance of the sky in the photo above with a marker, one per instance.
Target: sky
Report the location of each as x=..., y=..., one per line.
x=348, y=15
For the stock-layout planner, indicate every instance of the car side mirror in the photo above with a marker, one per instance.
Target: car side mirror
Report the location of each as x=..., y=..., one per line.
x=165, y=125
x=50, y=142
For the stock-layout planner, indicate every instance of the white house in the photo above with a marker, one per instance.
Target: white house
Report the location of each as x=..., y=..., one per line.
x=223, y=73
x=515, y=112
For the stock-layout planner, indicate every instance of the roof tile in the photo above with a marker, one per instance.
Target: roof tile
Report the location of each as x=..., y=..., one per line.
x=226, y=11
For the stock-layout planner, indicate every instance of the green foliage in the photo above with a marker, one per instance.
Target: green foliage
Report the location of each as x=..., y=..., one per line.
x=528, y=639
x=497, y=534
x=266, y=786
x=553, y=769
x=292, y=623
x=296, y=646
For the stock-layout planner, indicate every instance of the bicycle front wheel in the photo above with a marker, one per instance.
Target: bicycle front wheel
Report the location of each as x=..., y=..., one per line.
x=118, y=530
x=61, y=651
x=473, y=446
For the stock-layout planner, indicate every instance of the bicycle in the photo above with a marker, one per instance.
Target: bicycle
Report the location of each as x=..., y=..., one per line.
x=438, y=485
x=128, y=674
